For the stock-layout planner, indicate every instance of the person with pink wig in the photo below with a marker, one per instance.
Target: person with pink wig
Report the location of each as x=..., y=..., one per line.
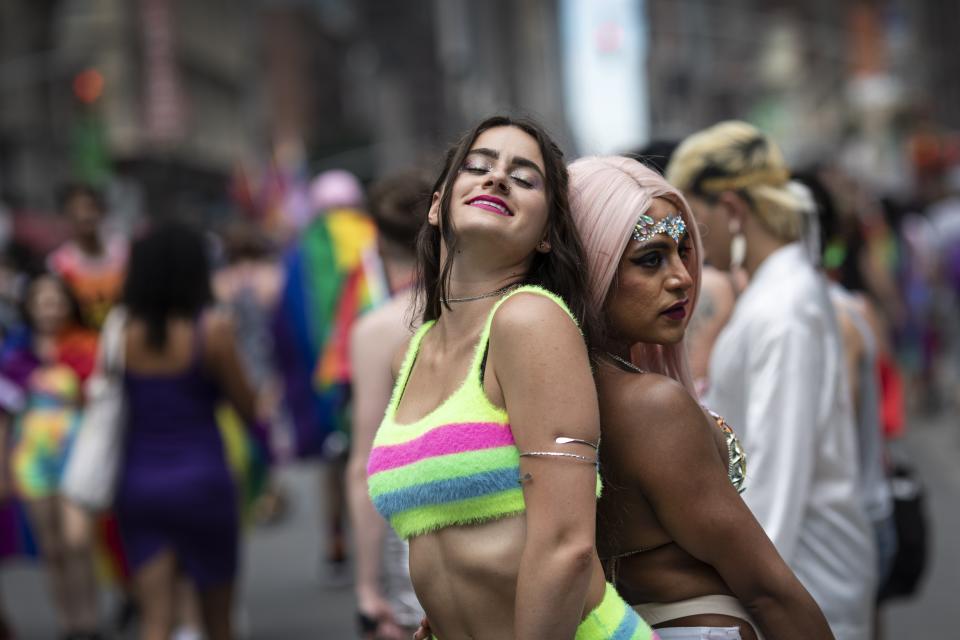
x=673, y=533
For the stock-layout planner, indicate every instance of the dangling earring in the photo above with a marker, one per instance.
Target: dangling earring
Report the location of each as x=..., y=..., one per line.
x=738, y=246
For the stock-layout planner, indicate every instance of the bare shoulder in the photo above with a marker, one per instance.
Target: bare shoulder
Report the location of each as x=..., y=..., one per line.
x=382, y=335
x=530, y=317
x=391, y=319
x=216, y=318
x=218, y=327
x=218, y=331
x=397, y=361
x=651, y=405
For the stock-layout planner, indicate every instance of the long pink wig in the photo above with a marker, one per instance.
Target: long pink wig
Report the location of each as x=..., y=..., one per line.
x=607, y=196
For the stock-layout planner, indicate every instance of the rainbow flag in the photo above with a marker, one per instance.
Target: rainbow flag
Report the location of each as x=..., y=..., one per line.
x=246, y=457
x=332, y=275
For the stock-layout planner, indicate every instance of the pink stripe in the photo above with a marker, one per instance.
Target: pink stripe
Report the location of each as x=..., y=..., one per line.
x=445, y=440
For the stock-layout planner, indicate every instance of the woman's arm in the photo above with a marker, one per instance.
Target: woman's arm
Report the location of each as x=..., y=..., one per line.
x=540, y=363
x=373, y=341
x=852, y=351
x=224, y=360
x=677, y=468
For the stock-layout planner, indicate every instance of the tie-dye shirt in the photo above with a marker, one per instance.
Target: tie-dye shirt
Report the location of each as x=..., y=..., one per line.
x=96, y=282
x=46, y=399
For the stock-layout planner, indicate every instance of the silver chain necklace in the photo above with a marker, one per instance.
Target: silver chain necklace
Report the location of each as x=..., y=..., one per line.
x=489, y=294
x=626, y=363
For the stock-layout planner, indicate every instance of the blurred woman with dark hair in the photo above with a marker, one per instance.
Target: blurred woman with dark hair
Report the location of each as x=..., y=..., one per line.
x=42, y=370
x=176, y=501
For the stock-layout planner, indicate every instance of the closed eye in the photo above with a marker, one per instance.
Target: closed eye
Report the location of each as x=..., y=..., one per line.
x=476, y=169
x=523, y=182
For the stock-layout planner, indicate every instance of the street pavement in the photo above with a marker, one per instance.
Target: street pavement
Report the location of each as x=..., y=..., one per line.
x=284, y=594
x=933, y=444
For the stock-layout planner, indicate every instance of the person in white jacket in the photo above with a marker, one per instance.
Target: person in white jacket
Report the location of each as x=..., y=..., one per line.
x=777, y=371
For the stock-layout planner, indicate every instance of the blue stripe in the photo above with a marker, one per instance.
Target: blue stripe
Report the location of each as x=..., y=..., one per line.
x=449, y=490
x=628, y=625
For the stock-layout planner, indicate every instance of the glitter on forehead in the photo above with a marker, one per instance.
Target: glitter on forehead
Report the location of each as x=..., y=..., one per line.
x=673, y=225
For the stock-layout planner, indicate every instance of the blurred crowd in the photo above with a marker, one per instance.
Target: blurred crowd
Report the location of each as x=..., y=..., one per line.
x=248, y=346
x=239, y=338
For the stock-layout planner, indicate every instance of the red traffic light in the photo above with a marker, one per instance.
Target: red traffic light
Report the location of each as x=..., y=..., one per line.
x=88, y=85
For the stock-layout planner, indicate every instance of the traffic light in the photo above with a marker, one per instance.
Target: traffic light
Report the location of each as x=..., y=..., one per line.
x=89, y=154
x=88, y=86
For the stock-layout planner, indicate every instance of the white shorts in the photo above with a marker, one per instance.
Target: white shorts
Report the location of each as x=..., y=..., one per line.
x=699, y=633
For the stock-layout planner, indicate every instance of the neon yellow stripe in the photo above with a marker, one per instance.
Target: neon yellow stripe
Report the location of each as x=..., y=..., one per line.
x=456, y=465
x=431, y=518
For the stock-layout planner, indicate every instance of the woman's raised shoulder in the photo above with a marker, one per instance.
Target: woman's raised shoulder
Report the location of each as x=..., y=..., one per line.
x=662, y=402
x=398, y=356
x=528, y=312
x=219, y=329
x=218, y=318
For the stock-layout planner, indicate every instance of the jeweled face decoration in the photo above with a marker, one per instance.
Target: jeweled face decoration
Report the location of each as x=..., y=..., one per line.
x=647, y=228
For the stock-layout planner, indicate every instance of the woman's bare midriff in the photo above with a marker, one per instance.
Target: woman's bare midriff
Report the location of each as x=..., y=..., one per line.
x=466, y=578
x=670, y=574
x=664, y=572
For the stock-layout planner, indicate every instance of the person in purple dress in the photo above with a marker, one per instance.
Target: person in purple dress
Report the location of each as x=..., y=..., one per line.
x=176, y=501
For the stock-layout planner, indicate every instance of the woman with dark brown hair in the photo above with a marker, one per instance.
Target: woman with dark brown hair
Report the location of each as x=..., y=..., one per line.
x=486, y=459
x=43, y=369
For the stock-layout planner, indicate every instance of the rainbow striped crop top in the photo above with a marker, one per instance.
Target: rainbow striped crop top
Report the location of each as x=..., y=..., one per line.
x=458, y=464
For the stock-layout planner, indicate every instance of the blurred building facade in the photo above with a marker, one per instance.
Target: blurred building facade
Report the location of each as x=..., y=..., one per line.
x=145, y=94
x=26, y=110
x=163, y=100
x=136, y=93
x=842, y=81
x=410, y=76
x=938, y=59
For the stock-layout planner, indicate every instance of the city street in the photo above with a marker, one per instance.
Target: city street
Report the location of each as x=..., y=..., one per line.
x=283, y=597
x=246, y=180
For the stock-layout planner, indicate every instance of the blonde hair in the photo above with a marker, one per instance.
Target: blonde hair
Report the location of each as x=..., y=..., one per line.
x=607, y=196
x=736, y=156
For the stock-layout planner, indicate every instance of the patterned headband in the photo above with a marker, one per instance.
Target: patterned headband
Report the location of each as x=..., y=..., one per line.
x=646, y=228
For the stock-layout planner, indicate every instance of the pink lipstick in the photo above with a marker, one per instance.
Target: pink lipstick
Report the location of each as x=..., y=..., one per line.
x=493, y=204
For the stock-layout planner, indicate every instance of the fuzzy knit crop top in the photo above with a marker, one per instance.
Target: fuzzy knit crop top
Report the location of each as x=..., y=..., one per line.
x=458, y=464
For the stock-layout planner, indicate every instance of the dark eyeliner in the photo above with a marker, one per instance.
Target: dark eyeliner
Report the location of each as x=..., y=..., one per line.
x=652, y=259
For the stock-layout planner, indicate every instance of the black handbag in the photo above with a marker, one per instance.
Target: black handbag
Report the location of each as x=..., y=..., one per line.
x=913, y=534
